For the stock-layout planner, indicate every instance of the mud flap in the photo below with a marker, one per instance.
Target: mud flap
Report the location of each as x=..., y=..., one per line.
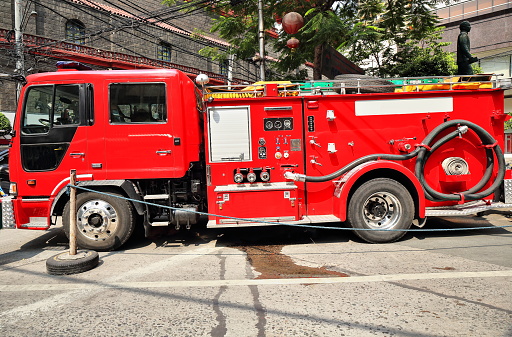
x=419, y=222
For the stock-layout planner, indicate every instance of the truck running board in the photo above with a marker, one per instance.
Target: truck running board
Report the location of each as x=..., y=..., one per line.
x=156, y=197
x=466, y=209
x=306, y=220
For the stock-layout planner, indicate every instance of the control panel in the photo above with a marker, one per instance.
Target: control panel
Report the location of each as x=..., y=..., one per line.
x=278, y=124
x=269, y=136
x=279, y=146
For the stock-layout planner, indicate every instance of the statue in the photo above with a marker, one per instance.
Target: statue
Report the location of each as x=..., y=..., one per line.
x=464, y=57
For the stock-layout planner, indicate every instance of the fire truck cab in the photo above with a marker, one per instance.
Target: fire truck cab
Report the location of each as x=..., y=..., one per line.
x=151, y=148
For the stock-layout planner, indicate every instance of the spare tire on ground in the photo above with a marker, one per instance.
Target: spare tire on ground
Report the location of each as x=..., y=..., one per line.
x=368, y=84
x=66, y=264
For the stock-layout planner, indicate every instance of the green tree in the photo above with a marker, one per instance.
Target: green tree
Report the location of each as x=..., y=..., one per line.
x=420, y=58
x=5, y=124
x=362, y=30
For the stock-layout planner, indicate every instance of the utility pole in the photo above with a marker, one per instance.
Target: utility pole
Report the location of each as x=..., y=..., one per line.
x=261, y=37
x=18, y=44
x=231, y=60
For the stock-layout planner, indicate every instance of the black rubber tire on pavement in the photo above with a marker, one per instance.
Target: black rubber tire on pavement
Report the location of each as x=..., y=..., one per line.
x=104, y=222
x=377, y=85
x=381, y=203
x=64, y=264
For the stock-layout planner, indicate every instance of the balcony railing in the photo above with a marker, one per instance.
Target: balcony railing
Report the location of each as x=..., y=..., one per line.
x=461, y=10
x=61, y=49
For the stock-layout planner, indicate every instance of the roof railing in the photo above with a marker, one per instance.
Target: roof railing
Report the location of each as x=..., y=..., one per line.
x=362, y=85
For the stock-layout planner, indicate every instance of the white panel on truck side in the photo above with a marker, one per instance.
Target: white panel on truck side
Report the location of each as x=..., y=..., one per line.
x=229, y=133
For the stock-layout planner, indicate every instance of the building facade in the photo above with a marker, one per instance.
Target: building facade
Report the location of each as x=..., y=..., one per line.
x=490, y=36
x=491, y=33
x=111, y=34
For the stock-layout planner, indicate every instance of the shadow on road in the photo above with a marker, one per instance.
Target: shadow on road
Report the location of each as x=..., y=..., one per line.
x=55, y=239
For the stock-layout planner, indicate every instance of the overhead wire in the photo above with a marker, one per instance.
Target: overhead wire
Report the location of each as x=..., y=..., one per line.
x=124, y=27
x=140, y=28
x=111, y=29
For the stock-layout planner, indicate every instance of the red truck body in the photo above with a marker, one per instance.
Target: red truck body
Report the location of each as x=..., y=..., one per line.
x=265, y=154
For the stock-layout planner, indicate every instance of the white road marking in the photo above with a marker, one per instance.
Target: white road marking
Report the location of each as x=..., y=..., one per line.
x=258, y=282
x=72, y=294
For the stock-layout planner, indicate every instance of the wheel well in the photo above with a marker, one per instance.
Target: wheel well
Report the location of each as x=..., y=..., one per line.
x=63, y=198
x=391, y=174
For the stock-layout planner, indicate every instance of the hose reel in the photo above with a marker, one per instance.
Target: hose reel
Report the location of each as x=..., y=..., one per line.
x=452, y=165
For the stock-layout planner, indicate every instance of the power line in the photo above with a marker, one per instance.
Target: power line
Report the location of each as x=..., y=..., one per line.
x=124, y=25
x=111, y=29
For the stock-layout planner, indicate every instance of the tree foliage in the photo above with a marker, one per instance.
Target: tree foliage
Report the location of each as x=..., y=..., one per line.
x=396, y=36
x=5, y=124
x=425, y=57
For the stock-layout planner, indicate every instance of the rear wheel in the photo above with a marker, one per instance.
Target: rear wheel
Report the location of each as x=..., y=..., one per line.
x=381, y=204
x=103, y=222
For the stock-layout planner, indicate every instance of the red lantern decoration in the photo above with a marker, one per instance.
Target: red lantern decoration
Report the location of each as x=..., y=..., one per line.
x=292, y=22
x=293, y=43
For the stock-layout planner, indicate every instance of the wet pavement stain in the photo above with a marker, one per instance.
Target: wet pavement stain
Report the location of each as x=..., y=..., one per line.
x=272, y=264
x=444, y=268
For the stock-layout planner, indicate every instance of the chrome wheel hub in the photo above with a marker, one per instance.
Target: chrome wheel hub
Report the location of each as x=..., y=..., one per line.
x=382, y=210
x=97, y=220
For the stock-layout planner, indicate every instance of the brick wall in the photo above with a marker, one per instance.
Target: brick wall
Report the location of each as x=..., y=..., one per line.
x=103, y=31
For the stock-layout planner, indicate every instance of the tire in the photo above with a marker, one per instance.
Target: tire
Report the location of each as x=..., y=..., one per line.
x=65, y=264
x=381, y=203
x=103, y=222
x=377, y=85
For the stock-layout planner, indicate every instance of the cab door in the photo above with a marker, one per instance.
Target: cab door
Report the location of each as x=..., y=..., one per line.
x=139, y=141
x=52, y=140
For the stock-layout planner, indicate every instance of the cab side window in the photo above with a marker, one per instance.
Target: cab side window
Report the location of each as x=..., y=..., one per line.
x=67, y=105
x=137, y=103
x=47, y=106
x=37, y=109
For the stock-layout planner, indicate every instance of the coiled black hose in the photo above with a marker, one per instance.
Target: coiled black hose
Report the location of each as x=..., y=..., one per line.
x=425, y=151
x=472, y=193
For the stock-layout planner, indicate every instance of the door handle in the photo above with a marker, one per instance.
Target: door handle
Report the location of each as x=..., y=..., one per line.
x=77, y=154
x=163, y=152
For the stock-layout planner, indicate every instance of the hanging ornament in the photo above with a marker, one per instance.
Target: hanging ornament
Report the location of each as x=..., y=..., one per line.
x=293, y=43
x=292, y=22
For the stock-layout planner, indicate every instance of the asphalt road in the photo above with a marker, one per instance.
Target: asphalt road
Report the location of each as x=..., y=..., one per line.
x=271, y=281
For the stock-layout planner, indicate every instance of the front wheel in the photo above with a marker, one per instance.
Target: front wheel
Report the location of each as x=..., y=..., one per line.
x=381, y=204
x=103, y=222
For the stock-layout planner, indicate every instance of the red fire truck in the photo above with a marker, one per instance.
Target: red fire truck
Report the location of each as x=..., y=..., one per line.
x=379, y=156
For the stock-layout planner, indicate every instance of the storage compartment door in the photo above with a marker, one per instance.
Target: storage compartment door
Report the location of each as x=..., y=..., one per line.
x=229, y=134
x=270, y=205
